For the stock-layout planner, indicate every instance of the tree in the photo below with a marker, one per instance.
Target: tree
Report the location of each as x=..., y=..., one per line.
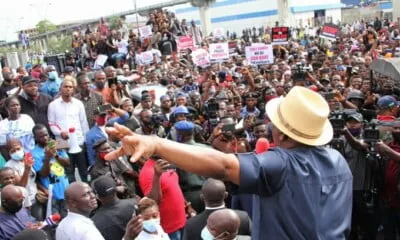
x=205, y=17
x=45, y=26
x=60, y=44
x=113, y=22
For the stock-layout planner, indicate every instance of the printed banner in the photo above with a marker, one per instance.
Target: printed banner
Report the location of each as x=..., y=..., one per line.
x=232, y=48
x=186, y=42
x=147, y=57
x=259, y=54
x=201, y=58
x=329, y=31
x=145, y=31
x=219, y=52
x=280, y=35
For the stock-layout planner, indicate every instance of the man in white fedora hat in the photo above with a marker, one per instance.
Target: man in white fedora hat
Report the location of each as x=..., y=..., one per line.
x=304, y=189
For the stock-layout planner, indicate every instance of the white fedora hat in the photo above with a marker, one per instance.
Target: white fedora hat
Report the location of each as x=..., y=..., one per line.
x=302, y=115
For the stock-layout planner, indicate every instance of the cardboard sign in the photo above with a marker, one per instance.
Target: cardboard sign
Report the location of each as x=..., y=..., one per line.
x=147, y=57
x=219, y=52
x=329, y=31
x=218, y=33
x=201, y=58
x=186, y=42
x=280, y=35
x=259, y=54
x=145, y=31
x=232, y=48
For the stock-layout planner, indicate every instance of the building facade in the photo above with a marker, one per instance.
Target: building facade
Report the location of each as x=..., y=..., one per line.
x=235, y=15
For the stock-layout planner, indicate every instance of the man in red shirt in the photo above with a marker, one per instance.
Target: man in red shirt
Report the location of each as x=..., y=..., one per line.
x=162, y=185
x=100, y=81
x=391, y=192
x=388, y=110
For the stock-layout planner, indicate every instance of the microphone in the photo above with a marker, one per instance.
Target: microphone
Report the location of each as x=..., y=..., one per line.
x=51, y=220
x=262, y=145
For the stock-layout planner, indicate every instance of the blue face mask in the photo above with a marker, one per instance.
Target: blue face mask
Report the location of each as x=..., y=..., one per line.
x=53, y=75
x=18, y=155
x=151, y=225
x=206, y=235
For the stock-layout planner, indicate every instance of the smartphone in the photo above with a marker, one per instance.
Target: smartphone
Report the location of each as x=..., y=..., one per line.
x=228, y=127
x=51, y=144
x=328, y=96
x=348, y=70
x=105, y=108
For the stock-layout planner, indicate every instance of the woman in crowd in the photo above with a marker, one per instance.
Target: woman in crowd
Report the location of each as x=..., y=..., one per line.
x=150, y=213
x=17, y=125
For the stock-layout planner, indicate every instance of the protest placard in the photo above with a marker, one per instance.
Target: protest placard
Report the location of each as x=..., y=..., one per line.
x=186, y=42
x=329, y=31
x=259, y=54
x=201, y=58
x=145, y=31
x=232, y=48
x=219, y=52
x=147, y=57
x=280, y=35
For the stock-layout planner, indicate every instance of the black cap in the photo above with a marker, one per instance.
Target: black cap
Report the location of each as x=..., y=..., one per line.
x=68, y=69
x=97, y=111
x=28, y=79
x=251, y=95
x=104, y=186
x=146, y=97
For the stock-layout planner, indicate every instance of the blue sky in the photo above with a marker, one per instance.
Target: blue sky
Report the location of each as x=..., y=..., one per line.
x=17, y=14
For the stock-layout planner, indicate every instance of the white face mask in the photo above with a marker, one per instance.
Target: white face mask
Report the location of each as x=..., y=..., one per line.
x=18, y=155
x=151, y=225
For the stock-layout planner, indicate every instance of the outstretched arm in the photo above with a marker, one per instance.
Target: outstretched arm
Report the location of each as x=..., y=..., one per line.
x=197, y=160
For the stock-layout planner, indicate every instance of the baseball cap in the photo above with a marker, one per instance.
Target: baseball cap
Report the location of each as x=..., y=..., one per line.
x=104, y=186
x=184, y=126
x=28, y=79
x=68, y=69
x=356, y=116
x=180, y=110
x=341, y=68
x=387, y=102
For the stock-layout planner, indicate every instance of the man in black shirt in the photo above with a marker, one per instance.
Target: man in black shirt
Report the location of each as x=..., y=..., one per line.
x=34, y=103
x=114, y=214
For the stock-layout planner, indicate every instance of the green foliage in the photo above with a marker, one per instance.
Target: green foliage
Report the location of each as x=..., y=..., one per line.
x=45, y=26
x=113, y=21
x=59, y=45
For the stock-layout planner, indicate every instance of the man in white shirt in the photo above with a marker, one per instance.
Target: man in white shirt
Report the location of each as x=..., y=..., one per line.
x=77, y=225
x=67, y=113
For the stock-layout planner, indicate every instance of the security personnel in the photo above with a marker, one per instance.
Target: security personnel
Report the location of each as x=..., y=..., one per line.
x=189, y=182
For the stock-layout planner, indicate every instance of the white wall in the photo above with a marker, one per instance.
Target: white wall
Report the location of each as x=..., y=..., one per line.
x=235, y=9
x=299, y=3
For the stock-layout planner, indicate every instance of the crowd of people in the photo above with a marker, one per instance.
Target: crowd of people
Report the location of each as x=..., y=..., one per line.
x=225, y=151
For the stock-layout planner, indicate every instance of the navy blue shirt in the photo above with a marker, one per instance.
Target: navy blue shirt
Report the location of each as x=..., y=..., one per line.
x=303, y=193
x=12, y=224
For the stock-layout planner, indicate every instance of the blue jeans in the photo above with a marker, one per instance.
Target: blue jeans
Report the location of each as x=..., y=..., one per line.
x=177, y=235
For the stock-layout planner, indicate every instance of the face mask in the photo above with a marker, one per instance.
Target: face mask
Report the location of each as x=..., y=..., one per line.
x=101, y=121
x=18, y=155
x=102, y=155
x=11, y=206
x=396, y=136
x=151, y=225
x=100, y=85
x=53, y=75
x=206, y=235
x=355, y=131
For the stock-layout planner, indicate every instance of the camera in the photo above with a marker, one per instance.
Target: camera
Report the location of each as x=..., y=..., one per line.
x=157, y=119
x=299, y=71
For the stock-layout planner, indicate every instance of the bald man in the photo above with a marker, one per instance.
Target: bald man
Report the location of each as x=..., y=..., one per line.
x=213, y=193
x=13, y=217
x=81, y=201
x=223, y=224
